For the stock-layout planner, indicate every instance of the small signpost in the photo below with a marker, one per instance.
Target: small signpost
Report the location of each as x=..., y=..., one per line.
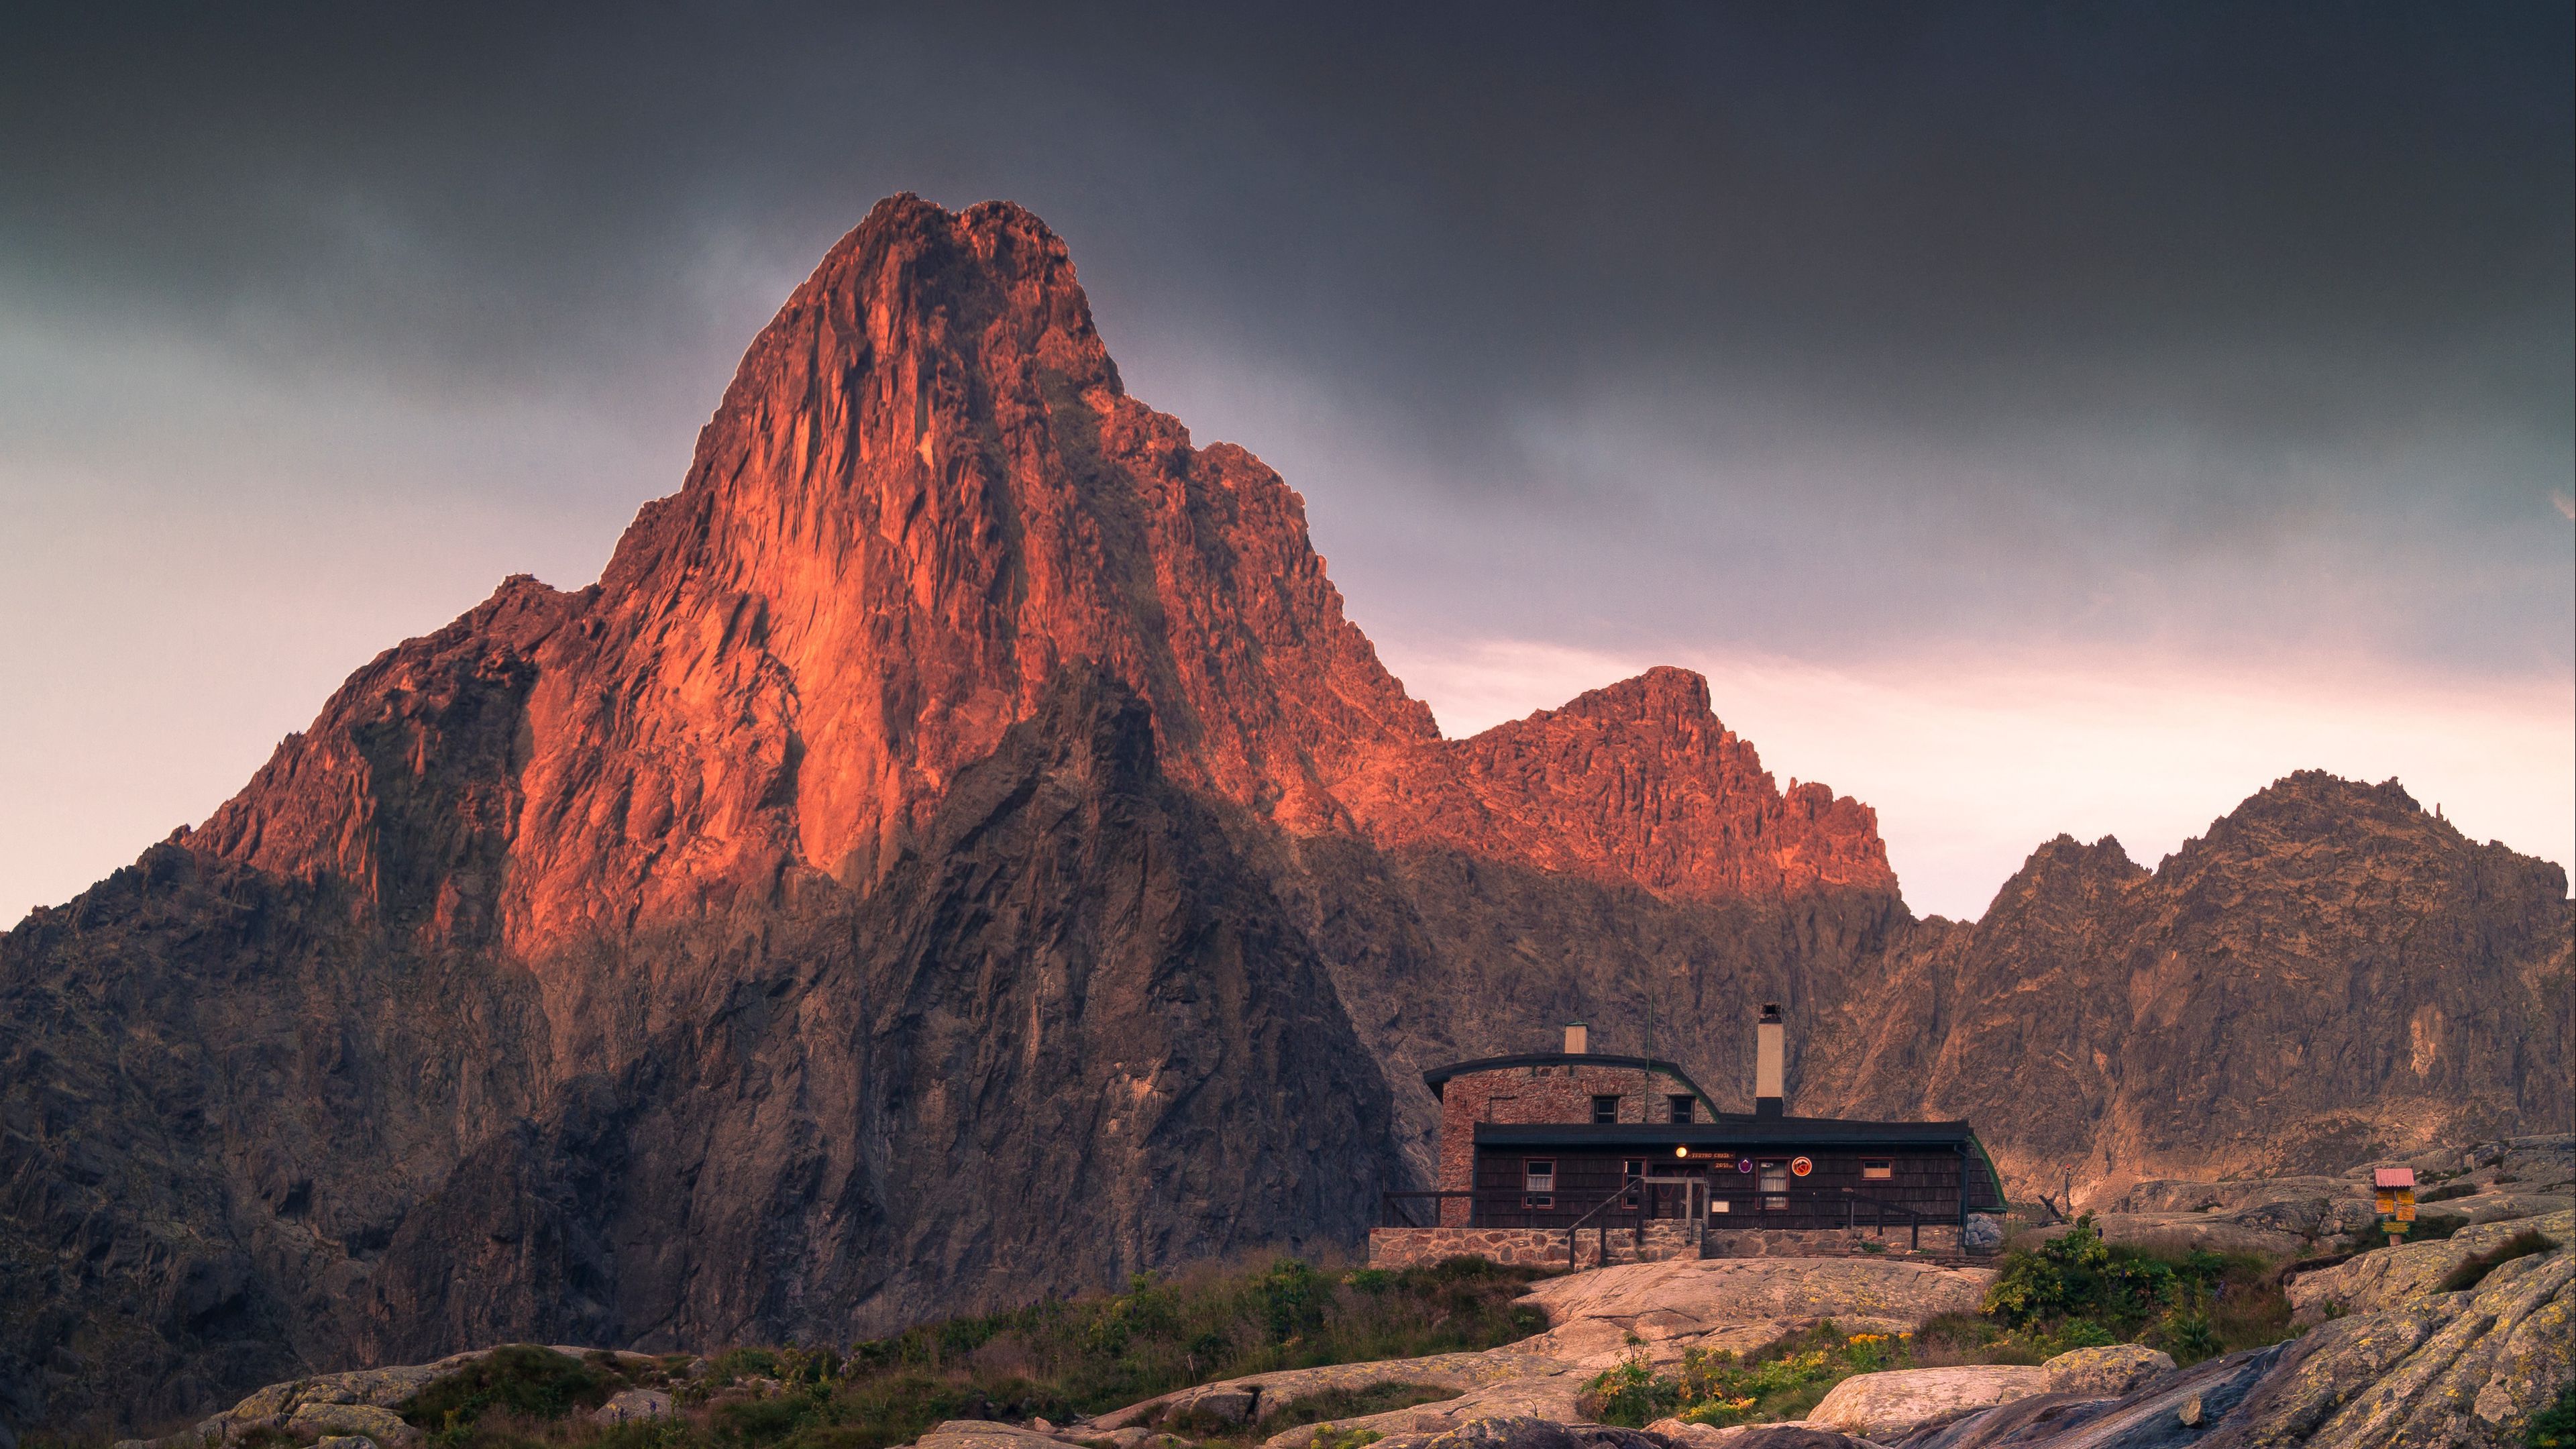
x=2393, y=1197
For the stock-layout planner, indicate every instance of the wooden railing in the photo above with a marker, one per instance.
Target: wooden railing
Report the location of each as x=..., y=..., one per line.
x=1802, y=1207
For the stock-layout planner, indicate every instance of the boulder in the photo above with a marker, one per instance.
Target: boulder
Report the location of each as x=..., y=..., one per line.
x=2449, y=1368
x=633, y=1406
x=1797, y=1434
x=1227, y=1403
x=381, y=1425
x=1461, y=1371
x=2105, y=1373
x=1739, y=1303
x=2399, y=1277
x=1985, y=1233
x=2502, y=1204
x=343, y=1441
x=1612, y=1436
x=1519, y=1431
x=2171, y=1410
x=985, y=1434
x=1890, y=1405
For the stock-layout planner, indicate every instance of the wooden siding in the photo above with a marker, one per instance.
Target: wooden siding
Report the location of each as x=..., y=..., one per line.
x=1925, y=1180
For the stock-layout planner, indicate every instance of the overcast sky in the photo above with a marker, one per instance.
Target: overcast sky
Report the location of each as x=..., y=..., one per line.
x=2032, y=419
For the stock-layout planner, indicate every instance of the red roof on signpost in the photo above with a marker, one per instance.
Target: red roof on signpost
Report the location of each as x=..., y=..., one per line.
x=2392, y=1177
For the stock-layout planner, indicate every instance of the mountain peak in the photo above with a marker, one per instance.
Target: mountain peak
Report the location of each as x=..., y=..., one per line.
x=925, y=495
x=1639, y=783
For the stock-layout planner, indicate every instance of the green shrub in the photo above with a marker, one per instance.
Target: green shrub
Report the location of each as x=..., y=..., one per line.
x=1293, y=1297
x=1346, y=1438
x=2079, y=1275
x=537, y=1383
x=2189, y=1337
x=1780, y=1380
x=1629, y=1392
x=2073, y=1333
x=2078, y=1291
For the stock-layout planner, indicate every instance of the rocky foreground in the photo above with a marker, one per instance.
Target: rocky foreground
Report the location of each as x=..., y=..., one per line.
x=2458, y=1341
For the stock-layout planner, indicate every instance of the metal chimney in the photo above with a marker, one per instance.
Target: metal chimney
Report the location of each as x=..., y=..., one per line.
x=1770, y=1052
x=1576, y=1037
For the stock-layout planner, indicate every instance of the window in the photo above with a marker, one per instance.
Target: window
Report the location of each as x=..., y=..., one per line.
x=1877, y=1170
x=1775, y=1186
x=1538, y=1182
x=1685, y=1107
x=1634, y=1167
x=1605, y=1109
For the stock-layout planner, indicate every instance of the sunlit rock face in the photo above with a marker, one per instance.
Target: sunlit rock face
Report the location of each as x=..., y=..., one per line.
x=959, y=850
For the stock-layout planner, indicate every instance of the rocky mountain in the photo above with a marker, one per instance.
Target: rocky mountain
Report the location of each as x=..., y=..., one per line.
x=2329, y=970
x=959, y=850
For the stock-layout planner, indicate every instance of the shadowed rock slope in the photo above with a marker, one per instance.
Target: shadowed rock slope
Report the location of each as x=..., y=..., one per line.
x=960, y=850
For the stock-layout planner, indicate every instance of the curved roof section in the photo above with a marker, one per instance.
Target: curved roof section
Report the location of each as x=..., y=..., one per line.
x=1438, y=1077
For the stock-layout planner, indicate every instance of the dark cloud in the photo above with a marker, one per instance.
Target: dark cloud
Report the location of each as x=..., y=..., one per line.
x=1808, y=323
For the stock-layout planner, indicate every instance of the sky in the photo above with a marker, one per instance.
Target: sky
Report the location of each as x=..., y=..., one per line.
x=2032, y=419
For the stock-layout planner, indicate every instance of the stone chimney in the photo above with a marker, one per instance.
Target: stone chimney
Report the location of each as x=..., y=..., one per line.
x=1577, y=1037
x=1770, y=1050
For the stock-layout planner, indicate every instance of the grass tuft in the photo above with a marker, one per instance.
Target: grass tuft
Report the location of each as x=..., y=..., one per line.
x=2474, y=1270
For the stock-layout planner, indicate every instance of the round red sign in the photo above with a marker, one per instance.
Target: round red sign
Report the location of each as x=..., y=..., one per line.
x=1801, y=1166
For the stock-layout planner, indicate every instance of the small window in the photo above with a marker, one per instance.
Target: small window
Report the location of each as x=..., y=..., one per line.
x=1538, y=1174
x=1537, y=1200
x=1605, y=1109
x=1685, y=1107
x=1877, y=1170
x=1773, y=1180
x=1630, y=1170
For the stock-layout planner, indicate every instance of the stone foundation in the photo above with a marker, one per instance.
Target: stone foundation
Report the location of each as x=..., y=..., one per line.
x=1823, y=1242
x=1665, y=1239
x=1534, y=1247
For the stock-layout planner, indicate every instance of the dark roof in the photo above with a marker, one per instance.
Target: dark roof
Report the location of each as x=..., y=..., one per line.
x=1728, y=1131
x=1438, y=1077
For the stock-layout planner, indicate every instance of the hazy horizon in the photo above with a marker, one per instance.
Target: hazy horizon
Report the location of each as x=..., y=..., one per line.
x=2031, y=423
